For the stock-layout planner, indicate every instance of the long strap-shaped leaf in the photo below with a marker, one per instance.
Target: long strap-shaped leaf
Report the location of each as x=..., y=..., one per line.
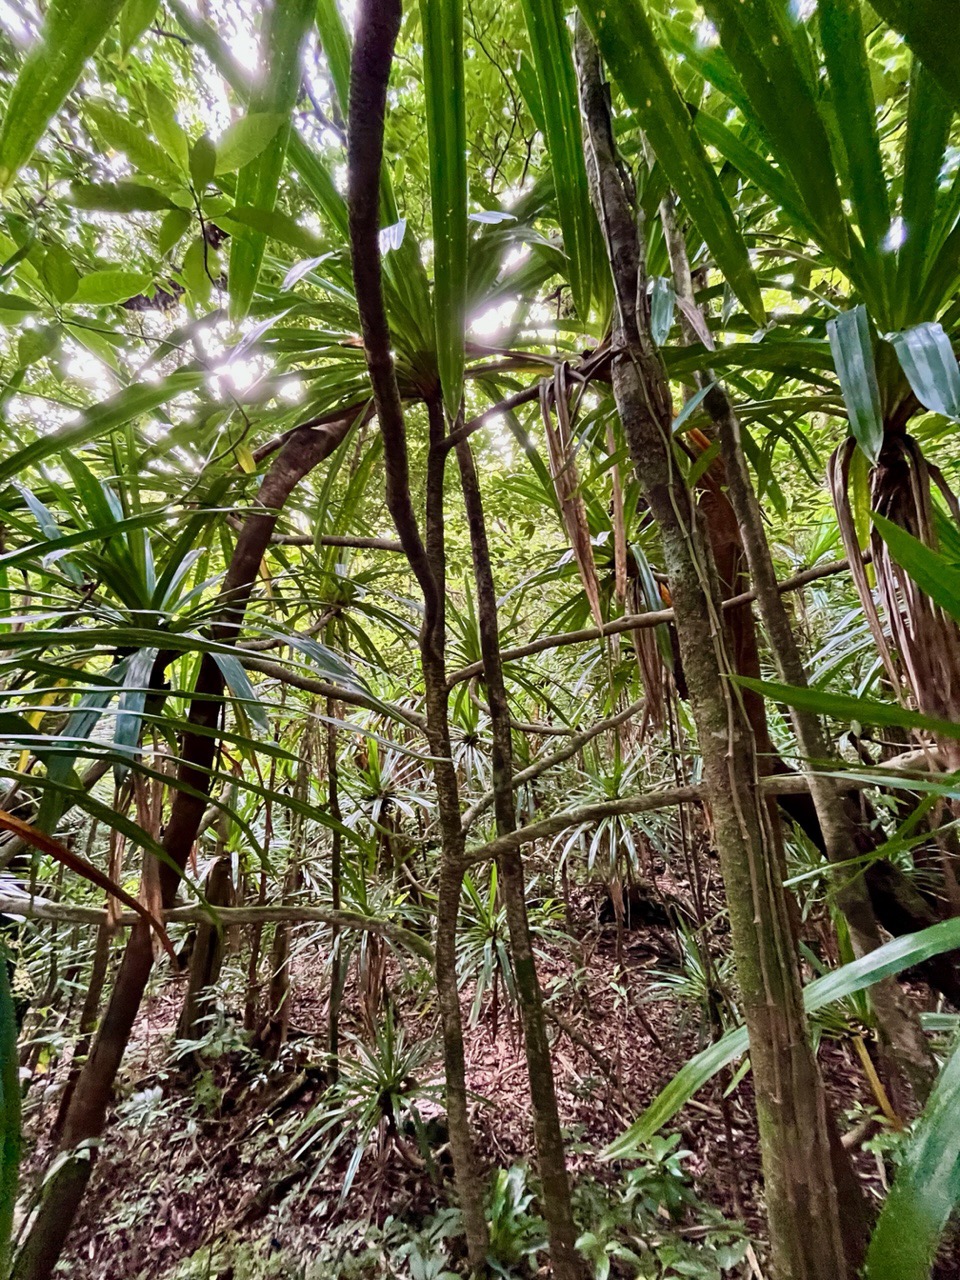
x=929, y=113
x=285, y=29
x=852, y=350
x=72, y=30
x=845, y=53
x=447, y=137
x=101, y=418
x=557, y=82
x=930, y=28
x=926, y=1189
x=335, y=43
x=766, y=52
x=892, y=958
x=632, y=52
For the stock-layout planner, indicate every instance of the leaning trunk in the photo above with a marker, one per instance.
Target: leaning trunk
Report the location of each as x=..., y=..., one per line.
x=377, y=28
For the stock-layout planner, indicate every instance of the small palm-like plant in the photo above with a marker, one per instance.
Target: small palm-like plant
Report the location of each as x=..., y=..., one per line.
x=702, y=983
x=374, y=1103
x=616, y=848
x=483, y=955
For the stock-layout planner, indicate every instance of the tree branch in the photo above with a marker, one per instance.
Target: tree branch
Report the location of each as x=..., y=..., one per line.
x=638, y=622
x=31, y=908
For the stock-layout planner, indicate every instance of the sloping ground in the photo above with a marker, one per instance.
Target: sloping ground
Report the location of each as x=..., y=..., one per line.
x=211, y=1159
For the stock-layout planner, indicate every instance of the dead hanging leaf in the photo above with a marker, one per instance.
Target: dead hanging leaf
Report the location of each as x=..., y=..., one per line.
x=619, y=524
x=563, y=472
x=838, y=481
x=47, y=844
x=650, y=662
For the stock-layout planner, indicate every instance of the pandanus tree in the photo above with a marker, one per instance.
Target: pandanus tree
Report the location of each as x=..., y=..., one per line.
x=860, y=183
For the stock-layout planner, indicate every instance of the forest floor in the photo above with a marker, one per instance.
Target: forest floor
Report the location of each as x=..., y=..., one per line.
x=205, y=1166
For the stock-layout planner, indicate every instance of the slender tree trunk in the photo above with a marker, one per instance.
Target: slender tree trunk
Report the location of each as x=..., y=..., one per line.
x=336, y=874
x=206, y=960
x=88, y=1020
x=377, y=27
x=807, y=1236
x=550, y=1153
x=86, y=1116
x=899, y=1026
x=272, y=1035
x=276, y=1023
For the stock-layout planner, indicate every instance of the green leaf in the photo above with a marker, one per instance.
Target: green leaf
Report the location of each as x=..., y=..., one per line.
x=631, y=50
x=10, y=1137
x=313, y=172
x=930, y=571
x=852, y=350
x=238, y=682
x=278, y=226
x=118, y=197
x=196, y=270
x=929, y=114
x=203, y=160
x=98, y=343
x=34, y=344
x=842, y=706
x=921, y=23
x=926, y=357
x=335, y=43
x=14, y=308
x=926, y=1189
x=447, y=144
x=245, y=139
x=285, y=28
x=174, y=226
x=764, y=49
x=123, y=135
x=130, y=706
x=133, y=402
x=557, y=81
x=166, y=128
x=845, y=54
x=890, y=959
x=58, y=273
x=662, y=303
x=135, y=17
x=756, y=168
x=530, y=92
x=102, y=287
x=72, y=30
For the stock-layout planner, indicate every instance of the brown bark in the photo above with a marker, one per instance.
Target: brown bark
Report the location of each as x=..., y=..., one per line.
x=807, y=1236
x=549, y=1139
x=906, y=1050
x=206, y=959
x=336, y=871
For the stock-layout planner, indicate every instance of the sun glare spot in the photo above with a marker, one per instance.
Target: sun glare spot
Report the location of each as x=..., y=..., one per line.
x=895, y=236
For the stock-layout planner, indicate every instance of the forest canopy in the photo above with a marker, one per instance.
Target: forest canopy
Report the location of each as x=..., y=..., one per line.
x=479, y=639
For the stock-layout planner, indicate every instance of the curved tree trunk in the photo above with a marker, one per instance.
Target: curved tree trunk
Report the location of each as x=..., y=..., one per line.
x=377, y=28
